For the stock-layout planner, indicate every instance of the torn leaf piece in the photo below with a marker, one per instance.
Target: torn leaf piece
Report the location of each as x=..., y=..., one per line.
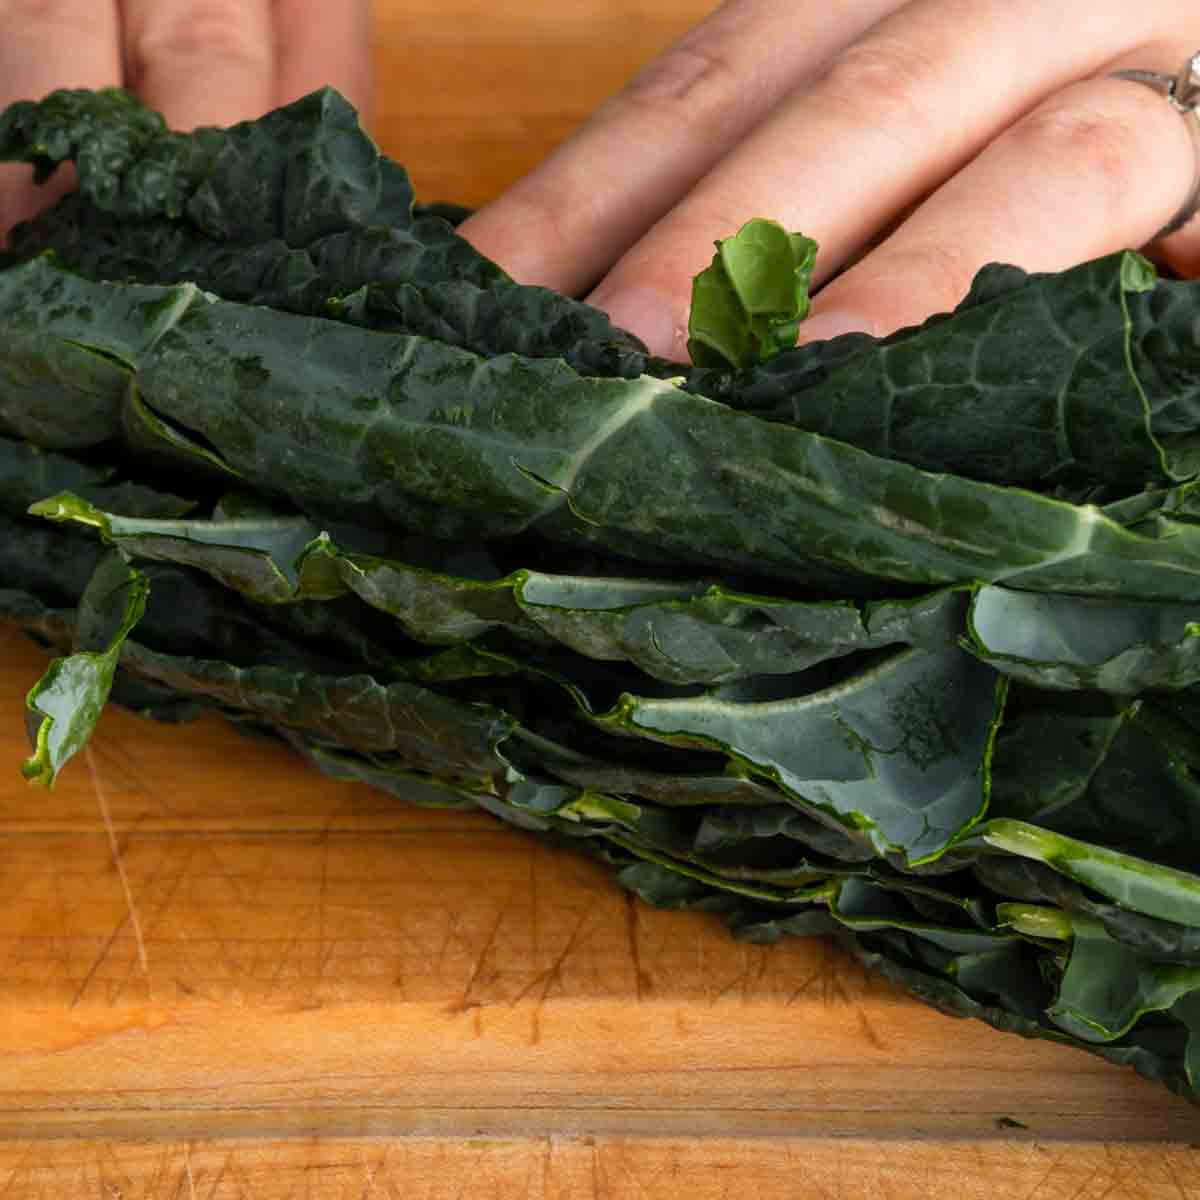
x=748, y=305
x=64, y=705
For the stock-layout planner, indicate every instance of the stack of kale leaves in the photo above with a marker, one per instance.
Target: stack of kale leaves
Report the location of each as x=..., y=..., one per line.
x=892, y=639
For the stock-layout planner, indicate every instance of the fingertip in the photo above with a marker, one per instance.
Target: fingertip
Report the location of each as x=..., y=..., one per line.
x=822, y=326
x=650, y=314
x=501, y=234
x=21, y=199
x=321, y=44
x=16, y=198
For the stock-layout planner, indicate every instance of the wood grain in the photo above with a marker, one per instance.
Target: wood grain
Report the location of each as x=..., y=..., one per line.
x=593, y=1168
x=297, y=987
x=471, y=96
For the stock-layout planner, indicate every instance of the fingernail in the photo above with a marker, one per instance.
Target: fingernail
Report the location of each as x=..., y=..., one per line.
x=649, y=314
x=822, y=326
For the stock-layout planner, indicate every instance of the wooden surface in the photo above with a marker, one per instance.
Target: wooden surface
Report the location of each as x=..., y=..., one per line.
x=222, y=975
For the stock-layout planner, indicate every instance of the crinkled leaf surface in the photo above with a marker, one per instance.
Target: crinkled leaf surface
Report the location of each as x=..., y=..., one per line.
x=299, y=171
x=461, y=446
x=1033, y=379
x=297, y=210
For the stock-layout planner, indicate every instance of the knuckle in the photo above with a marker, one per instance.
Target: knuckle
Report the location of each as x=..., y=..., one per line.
x=538, y=216
x=209, y=32
x=25, y=16
x=43, y=12
x=695, y=81
x=1071, y=130
x=880, y=81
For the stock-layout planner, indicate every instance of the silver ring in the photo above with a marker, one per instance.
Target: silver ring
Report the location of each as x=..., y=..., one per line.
x=1182, y=91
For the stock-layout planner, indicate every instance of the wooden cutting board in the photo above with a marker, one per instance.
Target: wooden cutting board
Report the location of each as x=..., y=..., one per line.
x=224, y=975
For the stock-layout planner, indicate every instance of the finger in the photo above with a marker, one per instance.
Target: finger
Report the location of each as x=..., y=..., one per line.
x=566, y=222
x=201, y=62
x=43, y=46
x=1102, y=165
x=319, y=44
x=1180, y=251
x=904, y=108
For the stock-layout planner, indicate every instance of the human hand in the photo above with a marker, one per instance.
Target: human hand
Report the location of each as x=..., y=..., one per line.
x=199, y=62
x=915, y=140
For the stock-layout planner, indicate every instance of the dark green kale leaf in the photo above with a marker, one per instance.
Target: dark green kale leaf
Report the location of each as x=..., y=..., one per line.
x=29, y=474
x=1089, y=374
x=397, y=431
x=682, y=631
x=298, y=173
x=1080, y=643
x=297, y=210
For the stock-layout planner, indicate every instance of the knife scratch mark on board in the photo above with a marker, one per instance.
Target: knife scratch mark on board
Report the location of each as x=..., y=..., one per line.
x=803, y=986
x=467, y=1000
x=118, y=862
x=370, y=1171
x=546, y=979
x=323, y=950
x=91, y=971
x=187, y=1166
x=114, y=754
x=1052, y=1169
x=826, y=981
x=750, y=977
x=24, y=1161
x=641, y=977
x=599, y=1187
x=869, y=1031
x=753, y=970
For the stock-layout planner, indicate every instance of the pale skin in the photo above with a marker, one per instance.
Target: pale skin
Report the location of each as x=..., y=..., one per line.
x=916, y=140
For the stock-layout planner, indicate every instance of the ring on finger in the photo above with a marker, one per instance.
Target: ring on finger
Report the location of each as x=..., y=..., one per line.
x=1182, y=91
